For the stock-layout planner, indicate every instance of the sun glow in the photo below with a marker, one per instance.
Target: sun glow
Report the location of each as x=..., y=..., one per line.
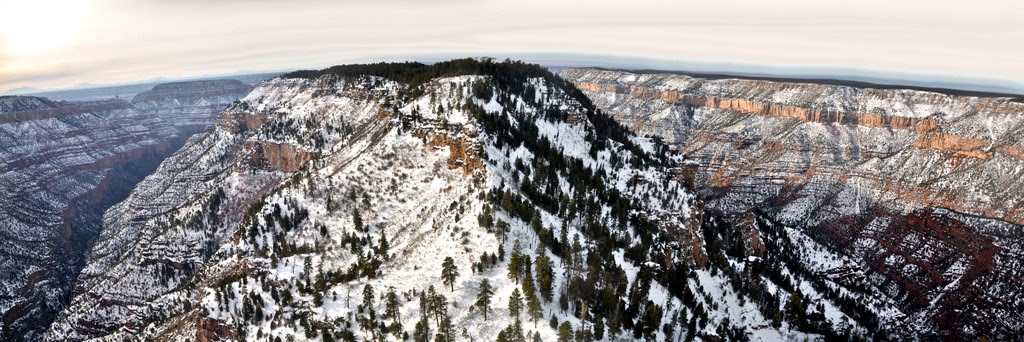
x=31, y=27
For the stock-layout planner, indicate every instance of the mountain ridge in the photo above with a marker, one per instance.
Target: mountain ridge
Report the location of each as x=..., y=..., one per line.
x=326, y=203
x=508, y=153
x=826, y=80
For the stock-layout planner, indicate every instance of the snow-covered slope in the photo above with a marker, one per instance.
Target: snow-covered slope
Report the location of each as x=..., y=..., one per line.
x=335, y=205
x=62, y=164
x=911, y=195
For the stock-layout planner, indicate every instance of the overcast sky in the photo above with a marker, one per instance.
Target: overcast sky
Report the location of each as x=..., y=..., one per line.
x=53, y=44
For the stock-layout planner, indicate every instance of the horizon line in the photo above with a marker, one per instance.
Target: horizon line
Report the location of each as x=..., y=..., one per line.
x=863, y=78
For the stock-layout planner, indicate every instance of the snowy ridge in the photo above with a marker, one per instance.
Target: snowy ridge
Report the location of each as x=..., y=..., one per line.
x=506, y=174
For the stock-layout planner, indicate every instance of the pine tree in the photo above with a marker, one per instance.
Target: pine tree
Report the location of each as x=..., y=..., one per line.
x=795, y=310
x=391, y=307
x=483, y=300
x=512, y=333
x=485, y=219
x=327, y=335
x=449, y=272
x=777, y=320
x=307, y=268
x=422, y=331
x=438, y=306
x=651, y=321
x=502, y=230
x=535, y=223
x=515, y=262
x=565, y=332
x=563, y=237
x=515, y=304
x=383, y=246
x=533, y=308
x=368, y=300
x=445, y=330
x=545, y=275
x=357, y=220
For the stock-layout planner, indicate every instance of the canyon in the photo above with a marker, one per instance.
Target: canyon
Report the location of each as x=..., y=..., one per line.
x=919, y=190
x=322, y=204
x=62, y=163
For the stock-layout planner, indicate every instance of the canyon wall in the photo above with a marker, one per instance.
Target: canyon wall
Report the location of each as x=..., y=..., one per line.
x=922, y=189
x=189, y=104
x=62, y=164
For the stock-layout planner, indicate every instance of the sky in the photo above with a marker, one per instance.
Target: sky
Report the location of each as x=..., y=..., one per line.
x=53, y=44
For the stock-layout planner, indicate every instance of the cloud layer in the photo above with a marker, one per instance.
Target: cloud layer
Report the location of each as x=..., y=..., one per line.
x=62, y=43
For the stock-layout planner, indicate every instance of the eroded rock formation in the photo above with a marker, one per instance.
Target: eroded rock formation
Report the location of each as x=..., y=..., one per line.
x=923, y=189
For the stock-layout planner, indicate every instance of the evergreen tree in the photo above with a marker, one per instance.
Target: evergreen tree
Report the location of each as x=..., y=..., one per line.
x=545, y=274
x=651, y=321
x=445, y=330
x=777, y=320
x=439, y=306
x=515, y=304
x=535, y=223
x=422, y=331
x=391, y=307
x=565, y=332
x=368, y=300
x=563, y=239
x=515, y=262
x=486, y=220
x=357, y=220
x=483, y=300
x=795, y=310
x=512, y=333
x=383, y=247
x=501, y=228
x=533, y=308
x=449, y=272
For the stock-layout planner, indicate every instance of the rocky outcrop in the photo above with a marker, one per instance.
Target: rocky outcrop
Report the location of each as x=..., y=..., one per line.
x=235, y=122
x=462, y=148
x=965, y=146
x=923, y=189
x=210, y=330
x=277, y=156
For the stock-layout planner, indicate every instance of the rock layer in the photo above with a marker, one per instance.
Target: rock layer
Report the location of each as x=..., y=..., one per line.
x=924, y=189
x=62, y=164
x=190, y=103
